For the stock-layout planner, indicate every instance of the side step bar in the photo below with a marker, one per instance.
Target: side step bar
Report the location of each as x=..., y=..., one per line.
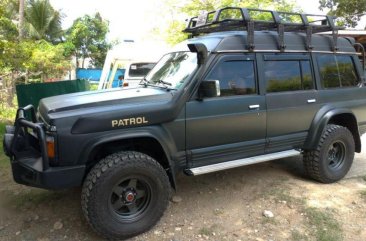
x=241, y=162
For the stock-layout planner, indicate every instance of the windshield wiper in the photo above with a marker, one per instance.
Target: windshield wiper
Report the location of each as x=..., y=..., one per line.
x=146, y=83
x=164, y=82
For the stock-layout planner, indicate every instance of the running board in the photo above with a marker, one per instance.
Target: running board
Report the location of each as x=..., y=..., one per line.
x=241, y=162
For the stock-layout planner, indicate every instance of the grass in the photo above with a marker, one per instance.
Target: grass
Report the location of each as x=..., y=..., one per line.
x=208, y=231
x=36, y=197
x=321, y=223
x=364, y=178
x=363, y=194
x=281, y=193
x=7, y=114
x=4, y=160
x=297, y=236
x=266, y=220
x=326, y=226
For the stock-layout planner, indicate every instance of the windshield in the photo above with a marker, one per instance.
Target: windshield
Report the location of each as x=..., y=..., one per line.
x=173, y=69
x=140, y=69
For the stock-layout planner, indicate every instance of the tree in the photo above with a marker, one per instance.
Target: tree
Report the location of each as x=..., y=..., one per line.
x=348, y=11
x=21, y=19
x=48, y=60
x=173, y=31
x=88, y=35
x=43, y=21
x=38, y=53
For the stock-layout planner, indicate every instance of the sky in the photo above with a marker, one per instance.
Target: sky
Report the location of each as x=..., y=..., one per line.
x=135, y=19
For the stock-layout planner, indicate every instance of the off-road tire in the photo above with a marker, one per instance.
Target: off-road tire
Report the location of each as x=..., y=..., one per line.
x=98, y=191
x=319, y=164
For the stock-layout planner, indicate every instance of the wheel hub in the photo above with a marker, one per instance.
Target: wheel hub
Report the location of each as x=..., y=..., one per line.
x=129, y=196
x=336, y=154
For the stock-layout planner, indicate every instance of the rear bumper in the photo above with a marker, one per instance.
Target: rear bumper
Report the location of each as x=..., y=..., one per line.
x=29, y=159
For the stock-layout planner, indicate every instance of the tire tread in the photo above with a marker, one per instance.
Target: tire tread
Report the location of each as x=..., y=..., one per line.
x=128, y=158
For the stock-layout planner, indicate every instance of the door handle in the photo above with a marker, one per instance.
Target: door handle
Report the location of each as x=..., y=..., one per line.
x=253, y=107
x=311, y=101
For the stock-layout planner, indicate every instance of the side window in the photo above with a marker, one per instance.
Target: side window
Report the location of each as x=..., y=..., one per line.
x=288, y=75
x=347, y=72
x=337, y=71
x=328, y=71
x=236, y=77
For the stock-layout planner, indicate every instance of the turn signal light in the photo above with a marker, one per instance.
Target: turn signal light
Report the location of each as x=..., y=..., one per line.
x=50, y=147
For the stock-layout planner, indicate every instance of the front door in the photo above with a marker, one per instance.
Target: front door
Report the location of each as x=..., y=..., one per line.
x=233, y=125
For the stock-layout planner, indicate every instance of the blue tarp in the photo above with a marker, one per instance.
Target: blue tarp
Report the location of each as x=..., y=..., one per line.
x=94, y=75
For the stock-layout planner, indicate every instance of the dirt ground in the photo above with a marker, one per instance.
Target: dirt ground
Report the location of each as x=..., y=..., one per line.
x=227, y=205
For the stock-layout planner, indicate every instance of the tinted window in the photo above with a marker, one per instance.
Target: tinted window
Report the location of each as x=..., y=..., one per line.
x=328, y=71
x=347, y=72
x=236, y=77
x=337, y=71
x=288, y=76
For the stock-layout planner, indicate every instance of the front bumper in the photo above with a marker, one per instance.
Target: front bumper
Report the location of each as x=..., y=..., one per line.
x=28, y=155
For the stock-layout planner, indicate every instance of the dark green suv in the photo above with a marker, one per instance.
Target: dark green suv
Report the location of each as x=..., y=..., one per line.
x=241, y=91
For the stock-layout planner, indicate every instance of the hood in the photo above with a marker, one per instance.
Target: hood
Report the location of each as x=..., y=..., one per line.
x=92, y=101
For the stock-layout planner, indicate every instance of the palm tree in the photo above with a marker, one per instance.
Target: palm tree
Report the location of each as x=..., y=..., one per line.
x=43, y=21
x=21, y=19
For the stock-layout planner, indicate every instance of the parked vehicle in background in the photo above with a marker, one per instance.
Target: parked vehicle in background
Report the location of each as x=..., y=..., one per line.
x=136, y=71
x=241, y=91
x=136, y=58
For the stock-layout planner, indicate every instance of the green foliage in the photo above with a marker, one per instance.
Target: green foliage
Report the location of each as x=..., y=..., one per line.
x=172, y=36
x=43, y=21
x=88, y=35
x=348, y=11
x=4, y=160
x=173, y=31
x=9, y=8
x=8, y=29
x=15, y=54
x=7, y=114
x=49, y=59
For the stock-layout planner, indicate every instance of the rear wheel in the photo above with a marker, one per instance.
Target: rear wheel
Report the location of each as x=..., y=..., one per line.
x=333, y=157
x=125, y=194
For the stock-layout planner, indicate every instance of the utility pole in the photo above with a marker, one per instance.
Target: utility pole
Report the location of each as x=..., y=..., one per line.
x=21, y=19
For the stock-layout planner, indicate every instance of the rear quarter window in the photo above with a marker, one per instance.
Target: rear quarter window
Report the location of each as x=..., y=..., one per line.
x=337, y=71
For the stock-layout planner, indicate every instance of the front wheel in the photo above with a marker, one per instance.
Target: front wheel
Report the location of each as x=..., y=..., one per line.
x=332, y=158
x=125, y=194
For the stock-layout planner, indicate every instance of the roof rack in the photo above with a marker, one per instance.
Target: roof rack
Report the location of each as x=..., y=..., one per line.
x=250, y=20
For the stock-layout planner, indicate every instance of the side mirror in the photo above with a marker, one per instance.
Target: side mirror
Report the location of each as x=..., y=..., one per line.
x=209, y=88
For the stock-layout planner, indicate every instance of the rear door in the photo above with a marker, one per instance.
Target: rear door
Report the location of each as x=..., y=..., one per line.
x=291, y=97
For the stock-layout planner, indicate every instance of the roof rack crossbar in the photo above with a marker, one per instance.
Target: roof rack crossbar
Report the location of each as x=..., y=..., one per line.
x=245, y=19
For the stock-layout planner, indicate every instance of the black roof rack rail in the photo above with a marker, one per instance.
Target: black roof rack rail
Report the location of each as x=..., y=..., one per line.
x=250, y=20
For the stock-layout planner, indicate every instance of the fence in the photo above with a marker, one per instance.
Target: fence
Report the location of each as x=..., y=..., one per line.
x=32, y=93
